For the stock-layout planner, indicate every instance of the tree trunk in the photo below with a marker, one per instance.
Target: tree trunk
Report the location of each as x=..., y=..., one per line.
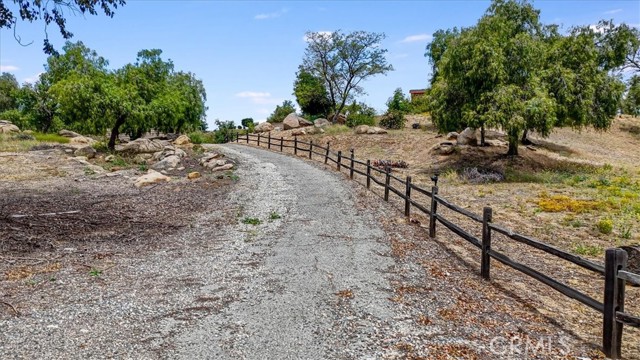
x=525, y=140
x=513, y=143
x=115, y=132
x=482, y=135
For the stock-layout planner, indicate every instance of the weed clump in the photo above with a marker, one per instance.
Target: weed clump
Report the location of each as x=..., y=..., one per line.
x=559, y=203
x=605, y=226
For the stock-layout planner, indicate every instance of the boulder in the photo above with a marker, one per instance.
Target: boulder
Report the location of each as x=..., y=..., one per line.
x=81, y=140
x=376, y=130
x=313, y=130
x=208, y=157
x=291, y=122
x=452, y=135
x=298, y=132
x=321, y=122
x=110, y=158
x=182, y=140
x=141, y=145
x=168, y=151
x=68, y=133
x=496, y=143
x=142, y=159
x=467, y=137
x=7, y=127
x=341, y=119
x=304, y=122
x=223, y=167
x=170, y=162
x=87, y=151
x=263, y=127
x=193, y=175
x=362, y=129
x=444, y=148
x=151, y=177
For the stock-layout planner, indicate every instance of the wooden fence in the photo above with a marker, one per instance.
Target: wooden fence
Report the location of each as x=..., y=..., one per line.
x=614, y=269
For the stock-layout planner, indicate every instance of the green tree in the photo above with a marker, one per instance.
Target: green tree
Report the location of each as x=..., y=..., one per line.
x=8, y=91
x=343, y=62
x=631, y=103
x=246, y=122
x=311, y=94
x=397, y=107
x=281, y=111
x=510, y=71
x=38, y=106
x=51, y=11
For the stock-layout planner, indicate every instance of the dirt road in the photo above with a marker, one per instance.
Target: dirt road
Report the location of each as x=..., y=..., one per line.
x=285, y=260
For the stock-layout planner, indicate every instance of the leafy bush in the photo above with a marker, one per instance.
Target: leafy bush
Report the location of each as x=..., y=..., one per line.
x=17, y=118
x=199, y=137
x=23, y=136
x=360, y=114
x=336, y=129
x=397, y=107
x=393, y=120
x=419, y=105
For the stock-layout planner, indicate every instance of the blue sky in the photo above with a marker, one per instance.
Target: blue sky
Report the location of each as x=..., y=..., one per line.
x=247, y=52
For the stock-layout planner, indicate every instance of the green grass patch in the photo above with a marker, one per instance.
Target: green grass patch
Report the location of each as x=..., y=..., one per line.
x=51, y=138
x=589, y=250
x=336, y=129
x=274, y=216
x=200, y=137
x=251, y=221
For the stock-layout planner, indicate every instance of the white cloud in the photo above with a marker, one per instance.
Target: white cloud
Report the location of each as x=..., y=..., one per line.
x=262, y=98
x=611, y=12
x=32, y=79
x=270, y=15
x=418, y=37
x=596, y=29
x=325, y=34
x=8, y=68
x=252, y=94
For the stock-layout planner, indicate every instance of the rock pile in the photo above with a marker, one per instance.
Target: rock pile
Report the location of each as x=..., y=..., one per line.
x=216, y=162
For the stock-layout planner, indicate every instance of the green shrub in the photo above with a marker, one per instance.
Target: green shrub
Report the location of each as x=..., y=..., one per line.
x=360, y=119
x=200, y=137
x=393, y=120
x=17, y=118
x=101, y=146
x=419, y=105
x=605, y=226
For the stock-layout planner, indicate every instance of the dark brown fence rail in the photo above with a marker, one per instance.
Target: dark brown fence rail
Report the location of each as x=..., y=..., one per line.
x=614, y=269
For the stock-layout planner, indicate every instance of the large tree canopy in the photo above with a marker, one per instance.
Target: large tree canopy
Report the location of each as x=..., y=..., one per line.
x=50, y=11
x=510, y=71
x=78, y=91
x=343, y=62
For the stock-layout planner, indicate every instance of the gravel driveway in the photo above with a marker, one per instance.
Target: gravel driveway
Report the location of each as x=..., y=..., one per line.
x=286, y=261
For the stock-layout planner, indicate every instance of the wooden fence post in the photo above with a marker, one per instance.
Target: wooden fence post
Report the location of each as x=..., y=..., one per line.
x=281, y=141
x=368, y=174
x=485, y=265
x=432, y=216
x=269, y=140
x=326, y=155
x=237, y=137
x=258, y=139
x=247, y=137
x=352, y=164
x=295, y=145
x=407, y=198
x=310, y=148
x=387, y=180
x=615, y=260
x=339, y=163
